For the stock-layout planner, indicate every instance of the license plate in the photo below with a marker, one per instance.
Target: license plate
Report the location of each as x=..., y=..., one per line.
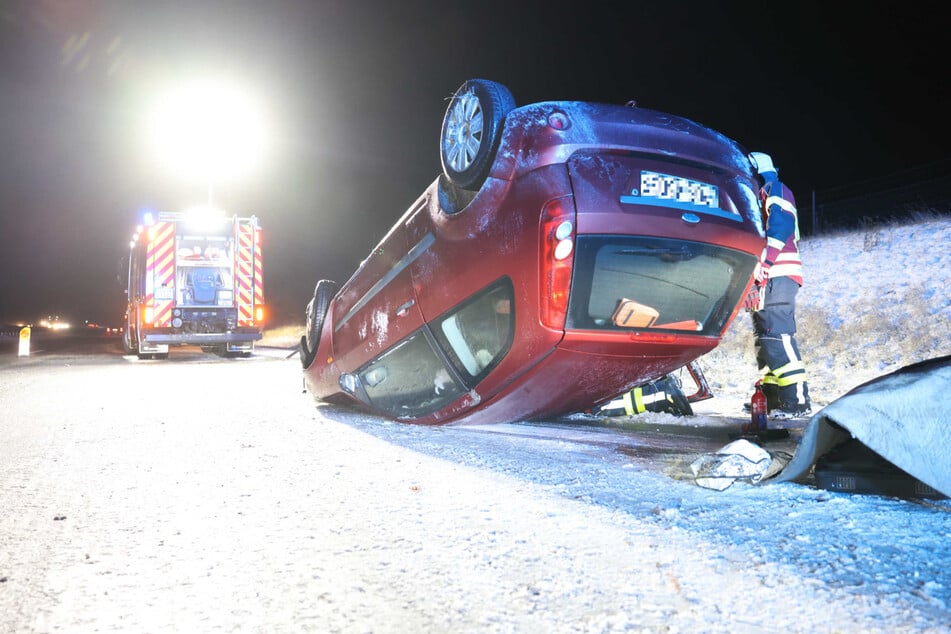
x=678, y=189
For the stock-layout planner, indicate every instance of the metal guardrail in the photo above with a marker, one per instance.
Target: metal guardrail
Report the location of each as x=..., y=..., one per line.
x=9, y=332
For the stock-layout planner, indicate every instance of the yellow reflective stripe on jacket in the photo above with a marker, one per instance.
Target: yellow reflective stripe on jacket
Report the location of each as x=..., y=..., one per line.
x=634, y=401
x=628, y=405
x=769, y=379
x=791, y=373
x=639, y=407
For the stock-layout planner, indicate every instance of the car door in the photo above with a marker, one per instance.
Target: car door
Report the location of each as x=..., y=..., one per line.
x=376, y=308
x=390, y=359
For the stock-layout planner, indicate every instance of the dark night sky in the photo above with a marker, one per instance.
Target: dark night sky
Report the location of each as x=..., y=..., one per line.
x=356, y=92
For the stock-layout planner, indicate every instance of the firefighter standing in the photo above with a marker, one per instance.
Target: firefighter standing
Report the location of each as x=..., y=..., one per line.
x=779, y=276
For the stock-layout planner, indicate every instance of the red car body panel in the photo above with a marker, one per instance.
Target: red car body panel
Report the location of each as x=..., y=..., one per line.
x=434, y=258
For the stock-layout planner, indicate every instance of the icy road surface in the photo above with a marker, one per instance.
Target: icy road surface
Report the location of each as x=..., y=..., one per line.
x=205, y=494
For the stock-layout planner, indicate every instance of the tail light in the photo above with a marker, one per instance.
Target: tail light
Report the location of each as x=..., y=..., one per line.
x=259, y=314
x=557, y=258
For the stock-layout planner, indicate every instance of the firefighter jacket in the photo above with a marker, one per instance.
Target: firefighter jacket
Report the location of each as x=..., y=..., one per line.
x=782, y=232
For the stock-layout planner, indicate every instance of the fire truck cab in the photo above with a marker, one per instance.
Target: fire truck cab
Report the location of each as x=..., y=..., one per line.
x=194, y=279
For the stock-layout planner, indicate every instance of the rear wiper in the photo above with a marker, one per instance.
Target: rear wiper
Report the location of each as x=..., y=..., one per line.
x=668, y=255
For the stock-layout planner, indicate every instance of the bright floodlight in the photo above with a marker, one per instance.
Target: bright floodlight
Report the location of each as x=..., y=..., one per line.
x=204, y=218
x=208, y=130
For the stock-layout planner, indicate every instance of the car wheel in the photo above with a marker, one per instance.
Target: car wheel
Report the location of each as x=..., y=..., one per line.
x=324, y=292
x=471, y=130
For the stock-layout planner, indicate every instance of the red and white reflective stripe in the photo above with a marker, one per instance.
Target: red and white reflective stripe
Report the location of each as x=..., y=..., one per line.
x=160, y=272
x=258, y=270
x=244, y=272
x=788, y=263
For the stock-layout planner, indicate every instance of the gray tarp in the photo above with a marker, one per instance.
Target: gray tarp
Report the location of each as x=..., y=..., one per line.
x=905, y=417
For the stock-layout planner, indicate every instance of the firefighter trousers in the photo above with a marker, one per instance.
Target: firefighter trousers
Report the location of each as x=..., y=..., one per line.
x=777, y=353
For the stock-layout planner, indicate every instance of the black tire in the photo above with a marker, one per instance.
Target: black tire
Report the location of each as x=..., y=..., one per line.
x=471, y=129
x=315, y=314
x=128, y=346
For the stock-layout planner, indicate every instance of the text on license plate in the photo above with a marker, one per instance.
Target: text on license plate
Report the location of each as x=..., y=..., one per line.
x=676, y=188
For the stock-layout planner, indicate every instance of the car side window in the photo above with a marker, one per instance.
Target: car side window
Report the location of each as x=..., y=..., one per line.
x=411, y=379
x=437, y=364
x=478, y=333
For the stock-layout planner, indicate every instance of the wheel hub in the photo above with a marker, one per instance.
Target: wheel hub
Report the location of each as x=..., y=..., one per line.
x=465, y=136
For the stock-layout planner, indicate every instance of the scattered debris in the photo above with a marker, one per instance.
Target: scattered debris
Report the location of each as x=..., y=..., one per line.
x=741, y=460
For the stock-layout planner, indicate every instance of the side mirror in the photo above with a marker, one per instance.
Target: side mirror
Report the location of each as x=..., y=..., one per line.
x=351, y=383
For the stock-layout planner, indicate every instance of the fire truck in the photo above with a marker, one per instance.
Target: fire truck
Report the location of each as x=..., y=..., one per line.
x=194, y=279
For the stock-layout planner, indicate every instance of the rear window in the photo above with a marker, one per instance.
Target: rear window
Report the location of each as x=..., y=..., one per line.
x=639, y=283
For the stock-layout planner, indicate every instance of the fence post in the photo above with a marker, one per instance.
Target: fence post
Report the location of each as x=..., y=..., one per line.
x=815, y=215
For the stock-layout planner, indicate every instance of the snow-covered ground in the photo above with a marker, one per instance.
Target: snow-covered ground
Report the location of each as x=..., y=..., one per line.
x=875, y=300
x=270, y=512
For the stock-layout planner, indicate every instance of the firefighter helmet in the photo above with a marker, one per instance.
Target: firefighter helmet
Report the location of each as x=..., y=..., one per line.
x=763, y=163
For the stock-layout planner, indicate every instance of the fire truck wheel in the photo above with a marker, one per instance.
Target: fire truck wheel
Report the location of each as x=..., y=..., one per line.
x=127, y=346
x=324, y=293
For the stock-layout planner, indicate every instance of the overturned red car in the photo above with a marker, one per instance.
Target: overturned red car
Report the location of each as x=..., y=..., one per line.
x=568, y=252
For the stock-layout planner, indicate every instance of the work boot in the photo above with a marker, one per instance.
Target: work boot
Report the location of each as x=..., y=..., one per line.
x=793, y=410
x=793, y=402
x=675, y=401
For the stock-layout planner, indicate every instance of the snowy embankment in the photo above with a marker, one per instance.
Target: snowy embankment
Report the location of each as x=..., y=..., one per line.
x=874, y=300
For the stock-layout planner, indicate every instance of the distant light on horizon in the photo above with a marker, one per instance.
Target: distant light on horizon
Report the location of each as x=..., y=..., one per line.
x=54, y=323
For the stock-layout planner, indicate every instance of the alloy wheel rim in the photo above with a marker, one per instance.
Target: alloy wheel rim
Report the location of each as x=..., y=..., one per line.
x=464, y=131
